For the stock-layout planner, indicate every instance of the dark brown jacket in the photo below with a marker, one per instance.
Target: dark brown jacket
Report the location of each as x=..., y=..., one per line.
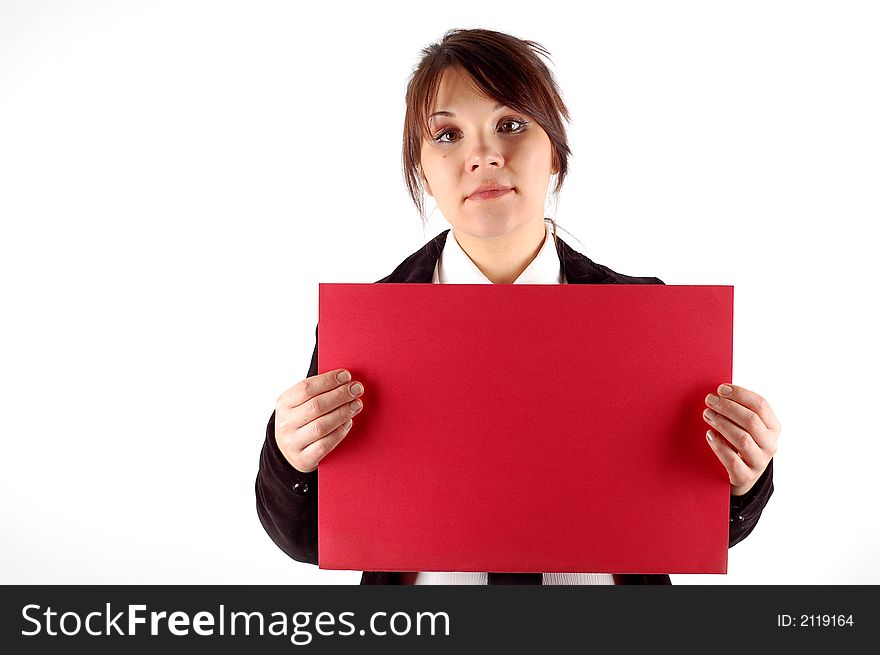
x=287, y=500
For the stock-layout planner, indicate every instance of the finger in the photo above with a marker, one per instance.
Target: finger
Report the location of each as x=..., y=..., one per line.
x=737, y=470
x=306, y=389
x=744, y=417
x=325, y=403
x=318, y=450
x=322, y=426
x=753, y=401
x=740, y=440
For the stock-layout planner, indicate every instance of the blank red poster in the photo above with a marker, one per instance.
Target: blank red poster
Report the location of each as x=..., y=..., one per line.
x=526, y=428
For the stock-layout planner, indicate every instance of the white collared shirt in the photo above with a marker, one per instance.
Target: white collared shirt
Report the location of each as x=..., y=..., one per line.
x=455, y=267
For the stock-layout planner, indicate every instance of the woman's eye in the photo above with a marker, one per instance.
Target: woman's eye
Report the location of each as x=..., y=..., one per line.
x=518, y=126
x=439, y=138
x=515, y=121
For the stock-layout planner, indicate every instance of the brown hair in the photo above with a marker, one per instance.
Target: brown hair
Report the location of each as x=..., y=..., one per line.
x=505, y=69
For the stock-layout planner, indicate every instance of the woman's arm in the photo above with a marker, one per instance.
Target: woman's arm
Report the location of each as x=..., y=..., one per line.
x=287, y=502
x=287, y=499
x=745, y=510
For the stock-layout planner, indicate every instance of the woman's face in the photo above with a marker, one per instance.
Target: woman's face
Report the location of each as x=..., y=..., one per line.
x=474, y=143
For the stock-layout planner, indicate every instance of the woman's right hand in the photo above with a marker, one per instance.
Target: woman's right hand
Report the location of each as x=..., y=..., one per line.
x=314, y=415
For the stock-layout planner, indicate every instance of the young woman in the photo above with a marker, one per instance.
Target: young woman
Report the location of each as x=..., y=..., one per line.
x=484, y=136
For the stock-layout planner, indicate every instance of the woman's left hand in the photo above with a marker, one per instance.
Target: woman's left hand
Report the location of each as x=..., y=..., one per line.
x=750, y=432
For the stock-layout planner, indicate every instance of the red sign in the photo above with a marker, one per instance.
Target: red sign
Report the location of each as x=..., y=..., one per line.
x=526, y=428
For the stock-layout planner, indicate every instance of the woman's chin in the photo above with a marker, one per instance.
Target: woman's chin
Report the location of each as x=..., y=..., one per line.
x=489, y=226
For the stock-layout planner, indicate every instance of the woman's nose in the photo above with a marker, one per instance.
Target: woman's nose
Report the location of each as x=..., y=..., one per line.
x=485, y=154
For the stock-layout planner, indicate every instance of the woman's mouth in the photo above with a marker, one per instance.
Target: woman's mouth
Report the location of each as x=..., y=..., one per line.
x=489, y=195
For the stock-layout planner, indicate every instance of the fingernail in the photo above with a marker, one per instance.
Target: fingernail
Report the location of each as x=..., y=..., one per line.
x=356, y=389
x=343, y=376
x=709, y=414
x=355, y=406
x=347, y=425
x=712, y=399
x=725, y=389
x=709, y=436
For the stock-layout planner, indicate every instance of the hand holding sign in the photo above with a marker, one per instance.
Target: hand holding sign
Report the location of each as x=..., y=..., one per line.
x=314, y=415
x=750, y=430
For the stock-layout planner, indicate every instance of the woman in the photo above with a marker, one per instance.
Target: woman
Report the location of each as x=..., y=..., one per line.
x=484, y=137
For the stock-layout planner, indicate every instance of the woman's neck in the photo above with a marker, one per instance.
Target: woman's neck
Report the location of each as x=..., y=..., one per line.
x=503, y=259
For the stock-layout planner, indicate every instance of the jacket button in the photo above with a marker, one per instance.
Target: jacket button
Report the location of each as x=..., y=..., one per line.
x=301, y=487
x=740, y=518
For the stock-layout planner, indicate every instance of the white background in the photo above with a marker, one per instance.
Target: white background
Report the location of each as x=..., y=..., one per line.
x=177, y=177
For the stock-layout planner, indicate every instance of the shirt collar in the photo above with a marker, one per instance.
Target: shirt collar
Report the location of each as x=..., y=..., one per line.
x=455, y=267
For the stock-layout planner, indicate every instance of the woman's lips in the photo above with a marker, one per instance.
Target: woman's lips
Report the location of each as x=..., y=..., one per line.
x=489, y=195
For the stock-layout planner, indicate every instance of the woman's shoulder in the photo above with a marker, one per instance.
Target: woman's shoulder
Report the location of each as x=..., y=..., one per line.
x=580, y=269
x=608, y=276
x=419, y=266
